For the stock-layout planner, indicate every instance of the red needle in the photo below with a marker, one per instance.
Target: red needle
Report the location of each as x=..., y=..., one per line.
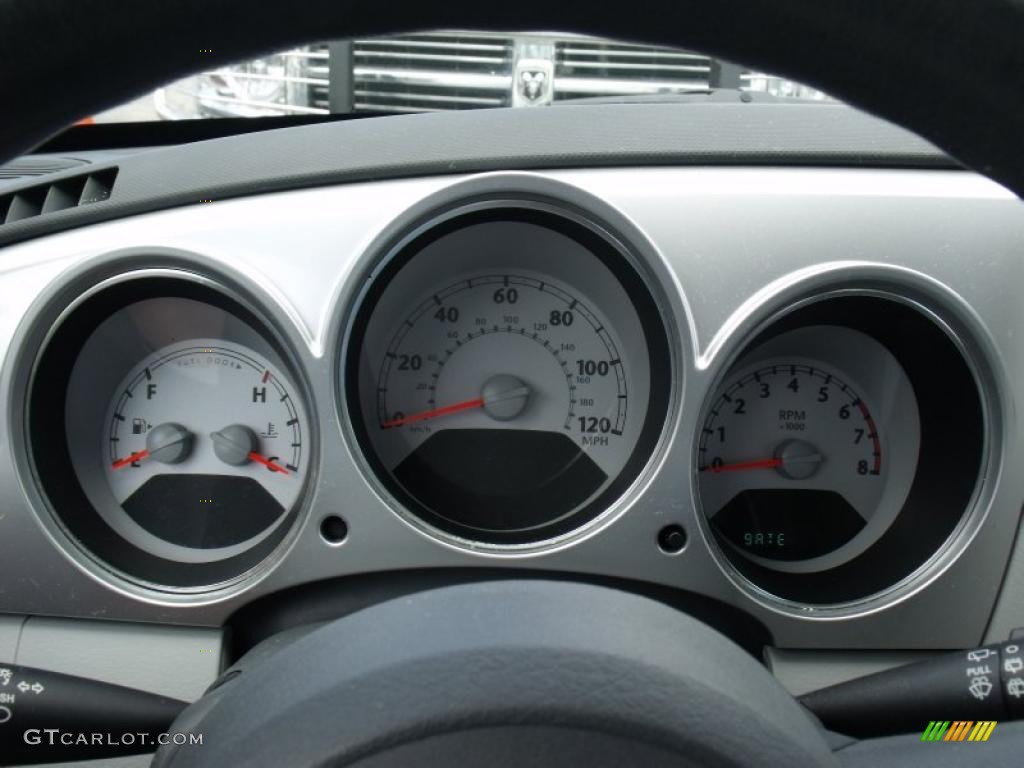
x=267, y=463
x=433, y=414
x=129, y=459
x=744, y=465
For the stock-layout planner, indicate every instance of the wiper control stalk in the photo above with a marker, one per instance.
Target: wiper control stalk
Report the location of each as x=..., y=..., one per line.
x=985, y=683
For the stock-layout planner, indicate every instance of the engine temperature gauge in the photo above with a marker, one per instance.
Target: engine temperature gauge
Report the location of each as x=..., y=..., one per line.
x=204, y=447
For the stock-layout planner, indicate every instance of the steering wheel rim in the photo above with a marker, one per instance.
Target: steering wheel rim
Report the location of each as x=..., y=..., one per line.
x=950, y=71
x=502, y=673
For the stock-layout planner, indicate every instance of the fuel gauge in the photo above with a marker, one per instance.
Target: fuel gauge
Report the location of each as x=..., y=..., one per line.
x=204, y=445
x=170, y=432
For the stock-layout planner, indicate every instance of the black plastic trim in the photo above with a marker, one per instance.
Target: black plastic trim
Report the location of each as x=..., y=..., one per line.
x=332, y=599
x=571, y=136
x=166, y=133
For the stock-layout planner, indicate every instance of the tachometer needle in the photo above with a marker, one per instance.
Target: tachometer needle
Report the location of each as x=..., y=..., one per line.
x=267, y=463
x=466, y=405
x=740, y=466
x=130, y=459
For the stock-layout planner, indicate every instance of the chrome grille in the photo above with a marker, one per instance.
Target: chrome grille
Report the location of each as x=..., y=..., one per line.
x=315, y=63
x=293, y=82
x=588, y=67
x=453, y=70
x=432, y=71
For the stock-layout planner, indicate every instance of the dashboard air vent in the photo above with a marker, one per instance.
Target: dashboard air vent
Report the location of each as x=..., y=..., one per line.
x=57, y=196
x=37, y=166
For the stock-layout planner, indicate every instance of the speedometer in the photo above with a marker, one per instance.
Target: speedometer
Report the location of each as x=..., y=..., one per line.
x=504, y=321
x=496, y=393
x=504, y=376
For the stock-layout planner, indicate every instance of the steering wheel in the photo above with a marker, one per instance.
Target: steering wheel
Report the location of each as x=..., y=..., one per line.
x=531, y=672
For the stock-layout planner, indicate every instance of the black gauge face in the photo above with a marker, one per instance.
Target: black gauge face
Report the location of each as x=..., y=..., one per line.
x=504, y=376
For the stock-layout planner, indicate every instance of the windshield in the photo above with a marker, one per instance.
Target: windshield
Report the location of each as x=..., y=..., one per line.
x=446, y=70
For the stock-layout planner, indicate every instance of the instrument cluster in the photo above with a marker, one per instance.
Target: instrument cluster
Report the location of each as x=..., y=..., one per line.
x=508, y=378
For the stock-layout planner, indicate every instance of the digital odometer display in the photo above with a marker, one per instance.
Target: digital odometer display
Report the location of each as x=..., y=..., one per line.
x=504, y=378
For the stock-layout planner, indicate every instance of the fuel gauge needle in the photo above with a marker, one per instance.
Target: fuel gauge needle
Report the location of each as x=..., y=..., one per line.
x=130, y=459
x=167, y=443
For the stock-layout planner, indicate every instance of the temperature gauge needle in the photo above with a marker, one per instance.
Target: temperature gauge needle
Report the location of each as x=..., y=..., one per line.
x=236, y=445
x=466, y=405
x=253, y=456
x=130, y=459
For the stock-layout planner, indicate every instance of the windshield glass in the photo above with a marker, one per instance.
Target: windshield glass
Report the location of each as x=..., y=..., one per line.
x=446, y=70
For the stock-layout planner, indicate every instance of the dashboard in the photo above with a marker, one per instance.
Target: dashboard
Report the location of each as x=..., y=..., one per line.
x=792, y=391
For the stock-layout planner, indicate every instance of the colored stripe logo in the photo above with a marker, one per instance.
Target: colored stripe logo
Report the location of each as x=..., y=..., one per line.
x=959, y=730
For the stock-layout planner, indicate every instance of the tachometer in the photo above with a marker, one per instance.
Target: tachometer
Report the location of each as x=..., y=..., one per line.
x=805, y=460
x=791, y=462
x=504, y=378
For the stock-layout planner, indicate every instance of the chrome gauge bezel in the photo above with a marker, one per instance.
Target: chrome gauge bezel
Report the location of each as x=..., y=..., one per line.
x=125, y=274
x=391, y=254
x=941, y=310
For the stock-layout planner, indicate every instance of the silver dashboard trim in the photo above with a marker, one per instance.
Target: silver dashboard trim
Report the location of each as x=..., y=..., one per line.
x=728, y=245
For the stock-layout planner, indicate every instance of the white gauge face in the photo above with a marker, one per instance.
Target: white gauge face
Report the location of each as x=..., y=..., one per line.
x=203, y=450
x=505, y=352
x=796, y=459
x=505, y=382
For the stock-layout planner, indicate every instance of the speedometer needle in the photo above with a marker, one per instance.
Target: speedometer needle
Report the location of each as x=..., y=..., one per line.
x=740, y=466
x=466, y=405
